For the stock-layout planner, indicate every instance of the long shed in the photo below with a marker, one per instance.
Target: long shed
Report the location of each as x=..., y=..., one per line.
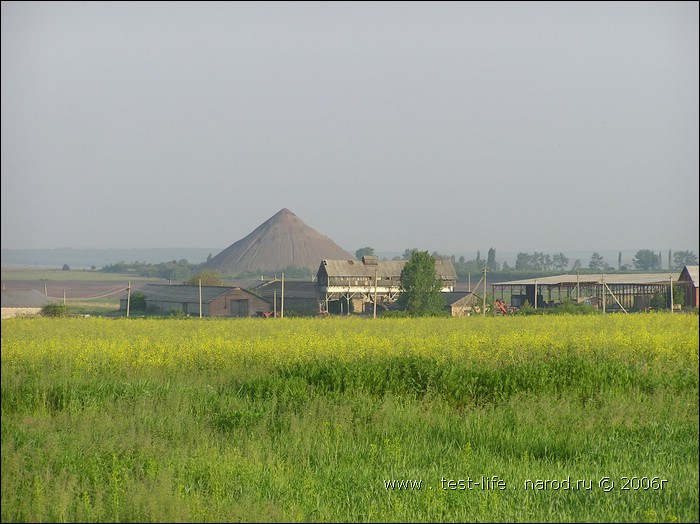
x=609, y=291
x=23, y=302
x=216, y=301
x=297, y=297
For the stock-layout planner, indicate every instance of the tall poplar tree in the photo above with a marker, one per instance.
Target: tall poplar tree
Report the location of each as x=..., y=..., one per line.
x=421, y=287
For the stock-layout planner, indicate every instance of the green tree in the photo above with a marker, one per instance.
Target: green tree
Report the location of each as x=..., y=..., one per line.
x=364, y=252
x=491, y=260
x=658, y=301
x=208, y=277
x=646, y=260
x=420, y=286
x=678, y=294
x=66, y=267
x=407, y=253
x=597, y=263
x=560, y=262
x=684, y=258
x=523, y=262
x=138, y=301
x=54, y=310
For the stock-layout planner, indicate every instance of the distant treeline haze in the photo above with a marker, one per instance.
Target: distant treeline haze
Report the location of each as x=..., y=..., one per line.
x=644, y=260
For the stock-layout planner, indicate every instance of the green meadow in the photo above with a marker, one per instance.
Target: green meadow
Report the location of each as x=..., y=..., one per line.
x=497, y=419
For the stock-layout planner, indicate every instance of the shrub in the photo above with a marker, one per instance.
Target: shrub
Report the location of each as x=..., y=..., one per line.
x=574, y=309
x=138, y=301
x=54, y=310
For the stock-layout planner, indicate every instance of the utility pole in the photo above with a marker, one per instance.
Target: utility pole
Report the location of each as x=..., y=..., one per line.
x=670, y=277
x=128, y=298
x=535, y=293
x=578, y=292
x=200, y=298
x=602, y=280
x=375, y=293
x=484, y=300
x=282, y=305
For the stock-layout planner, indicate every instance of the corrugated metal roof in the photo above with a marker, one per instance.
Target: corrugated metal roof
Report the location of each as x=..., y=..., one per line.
x=445, y=269
x=25, y=298
x=384, y=268
x=292, y=289
x=166, y=293
x=453, y=297
x=640, y=278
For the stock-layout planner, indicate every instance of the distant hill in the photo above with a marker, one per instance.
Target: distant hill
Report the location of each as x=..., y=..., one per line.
x=278, y=243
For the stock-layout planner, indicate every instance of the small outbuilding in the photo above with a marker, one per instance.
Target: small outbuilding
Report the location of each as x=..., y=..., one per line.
x=463, y=303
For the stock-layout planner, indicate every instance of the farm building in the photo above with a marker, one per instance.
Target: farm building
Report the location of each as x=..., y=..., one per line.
x=688, y=282
x=23, y=302
x=607, y=291
x=463, y=303
x=216, y=301
x=300, y=297
x=357, y=282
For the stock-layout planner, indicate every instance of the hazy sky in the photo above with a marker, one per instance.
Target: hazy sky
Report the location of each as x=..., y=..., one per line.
x=446, y=127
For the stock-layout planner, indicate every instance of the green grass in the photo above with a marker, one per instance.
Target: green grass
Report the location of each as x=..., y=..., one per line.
x=308, y=420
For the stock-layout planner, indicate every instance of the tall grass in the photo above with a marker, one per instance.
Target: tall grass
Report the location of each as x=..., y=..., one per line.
x=311, y=420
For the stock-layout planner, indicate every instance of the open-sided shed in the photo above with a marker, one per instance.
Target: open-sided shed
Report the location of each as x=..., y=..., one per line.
x=607, y=291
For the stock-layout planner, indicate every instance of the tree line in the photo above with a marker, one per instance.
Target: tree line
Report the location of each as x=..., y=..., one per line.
x=644, y=260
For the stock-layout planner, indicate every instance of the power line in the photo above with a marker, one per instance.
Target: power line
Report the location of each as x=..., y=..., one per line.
x=109, y=293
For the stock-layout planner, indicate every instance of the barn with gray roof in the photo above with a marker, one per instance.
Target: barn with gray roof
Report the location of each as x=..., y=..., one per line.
x=23, y=302
x=215, y=301
x=300, y=297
